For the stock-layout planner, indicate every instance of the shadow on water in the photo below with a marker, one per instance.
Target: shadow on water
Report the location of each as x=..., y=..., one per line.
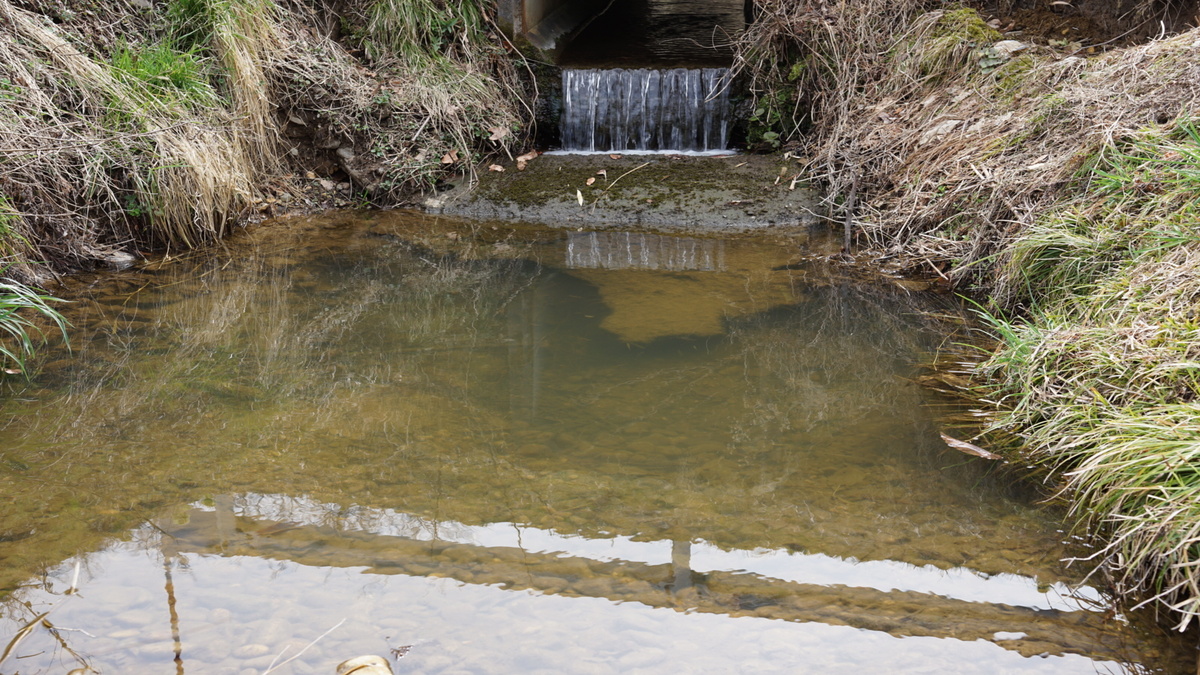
x=484, y=443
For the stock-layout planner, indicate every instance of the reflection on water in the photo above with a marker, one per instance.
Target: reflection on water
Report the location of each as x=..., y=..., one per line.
x=637, y=251
x=517, y=452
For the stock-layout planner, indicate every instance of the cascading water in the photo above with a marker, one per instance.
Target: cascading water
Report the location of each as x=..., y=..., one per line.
x=619, y=110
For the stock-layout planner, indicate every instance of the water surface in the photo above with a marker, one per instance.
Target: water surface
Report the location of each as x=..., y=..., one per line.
x=518, y=451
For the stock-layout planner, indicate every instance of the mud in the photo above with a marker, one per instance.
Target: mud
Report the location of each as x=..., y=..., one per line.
x=733, y=193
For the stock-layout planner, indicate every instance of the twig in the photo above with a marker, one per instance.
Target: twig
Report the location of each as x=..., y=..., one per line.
x=849, y=214
x=610, y=185
x=421, y=128
x=21, y=635
x=274, y=665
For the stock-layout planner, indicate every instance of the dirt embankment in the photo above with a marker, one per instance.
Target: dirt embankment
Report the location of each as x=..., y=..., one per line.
x=1054, y=166
x=131, y=125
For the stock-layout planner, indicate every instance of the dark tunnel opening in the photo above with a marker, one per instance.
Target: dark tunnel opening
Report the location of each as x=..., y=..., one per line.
x=657, y=34
x=629, y=33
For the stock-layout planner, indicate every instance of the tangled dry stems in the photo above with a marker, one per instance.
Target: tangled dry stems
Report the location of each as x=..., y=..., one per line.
x=93, y=161
x=1064, y=187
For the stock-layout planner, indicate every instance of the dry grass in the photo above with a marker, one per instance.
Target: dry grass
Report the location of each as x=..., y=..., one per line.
x=91, y=161
x=1065, y=187
x=101, y=151
x=956, y=158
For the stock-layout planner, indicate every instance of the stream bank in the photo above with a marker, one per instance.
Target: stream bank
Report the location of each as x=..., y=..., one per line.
x=1058, y=180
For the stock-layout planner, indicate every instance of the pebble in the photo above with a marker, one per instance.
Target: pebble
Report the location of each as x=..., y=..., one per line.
x=135, y=617
x=596, y=587
x=251, y=650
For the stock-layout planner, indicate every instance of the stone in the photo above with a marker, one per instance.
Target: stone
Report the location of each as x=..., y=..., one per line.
x=1007, y=48
x=251, y=650
x=365, y=665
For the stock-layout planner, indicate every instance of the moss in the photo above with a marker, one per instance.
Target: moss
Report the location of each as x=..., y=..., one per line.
x=545, y=182
x=1012, y=80
x=965, y=25
x=950, y=43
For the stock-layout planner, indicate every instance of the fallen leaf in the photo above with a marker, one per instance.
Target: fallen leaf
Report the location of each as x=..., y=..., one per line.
x=603, y=172
x=591, y=180
x=495, y=167
x=498, y=133
x=579, y=197
x=520, y=165
x=614, y=157
x=450, y=157
x=531, y=155
x=11, y=371
x=968, y=448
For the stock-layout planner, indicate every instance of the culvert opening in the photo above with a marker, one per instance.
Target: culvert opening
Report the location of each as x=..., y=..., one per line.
x=642, y=75
x=660, y=34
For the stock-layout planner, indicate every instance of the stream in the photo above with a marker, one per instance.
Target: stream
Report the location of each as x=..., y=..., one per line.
x=481, y=448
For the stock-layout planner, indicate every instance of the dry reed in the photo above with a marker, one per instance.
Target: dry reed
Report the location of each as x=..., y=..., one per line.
x=1064, y=186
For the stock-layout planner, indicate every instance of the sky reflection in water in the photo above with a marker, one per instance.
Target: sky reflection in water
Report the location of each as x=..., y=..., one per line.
x=529, y=452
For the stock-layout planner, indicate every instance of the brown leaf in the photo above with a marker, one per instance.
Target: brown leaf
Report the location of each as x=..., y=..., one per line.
x=591, y=180
x=614, y=157
x=496, y=167
x=531, y=155
x=603, y=172
x=450, y=157
x=968, y=448
x=520, y=164
x=497, y=133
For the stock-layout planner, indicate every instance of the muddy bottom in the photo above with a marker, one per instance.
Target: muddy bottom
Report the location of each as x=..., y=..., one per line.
x=472, y=448
x=675, y=193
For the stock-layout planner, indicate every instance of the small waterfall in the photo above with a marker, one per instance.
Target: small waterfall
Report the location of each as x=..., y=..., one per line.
x=619, y=110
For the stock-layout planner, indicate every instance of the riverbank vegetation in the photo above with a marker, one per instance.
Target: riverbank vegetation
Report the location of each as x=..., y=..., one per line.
x=1061, y=183
x=126, y=127
x=18, y=333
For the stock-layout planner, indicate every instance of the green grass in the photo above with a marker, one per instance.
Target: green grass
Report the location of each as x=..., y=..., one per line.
x=168, y=73
x=1101, y=379
x=19, y=334
x=416, y=30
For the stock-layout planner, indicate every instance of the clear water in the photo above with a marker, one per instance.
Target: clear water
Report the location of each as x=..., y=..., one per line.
x=518, y=451
x=645, y=109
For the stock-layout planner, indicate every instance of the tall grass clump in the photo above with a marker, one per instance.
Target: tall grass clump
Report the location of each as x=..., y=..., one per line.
x=166, y=73
x=447, y=59
x=18, y=331
x=1102, y=378
x=103, y=152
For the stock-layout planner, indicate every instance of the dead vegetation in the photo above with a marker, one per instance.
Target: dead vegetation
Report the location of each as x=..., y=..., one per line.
x=1061, y=183
x=124, y=128
x=957, y=147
